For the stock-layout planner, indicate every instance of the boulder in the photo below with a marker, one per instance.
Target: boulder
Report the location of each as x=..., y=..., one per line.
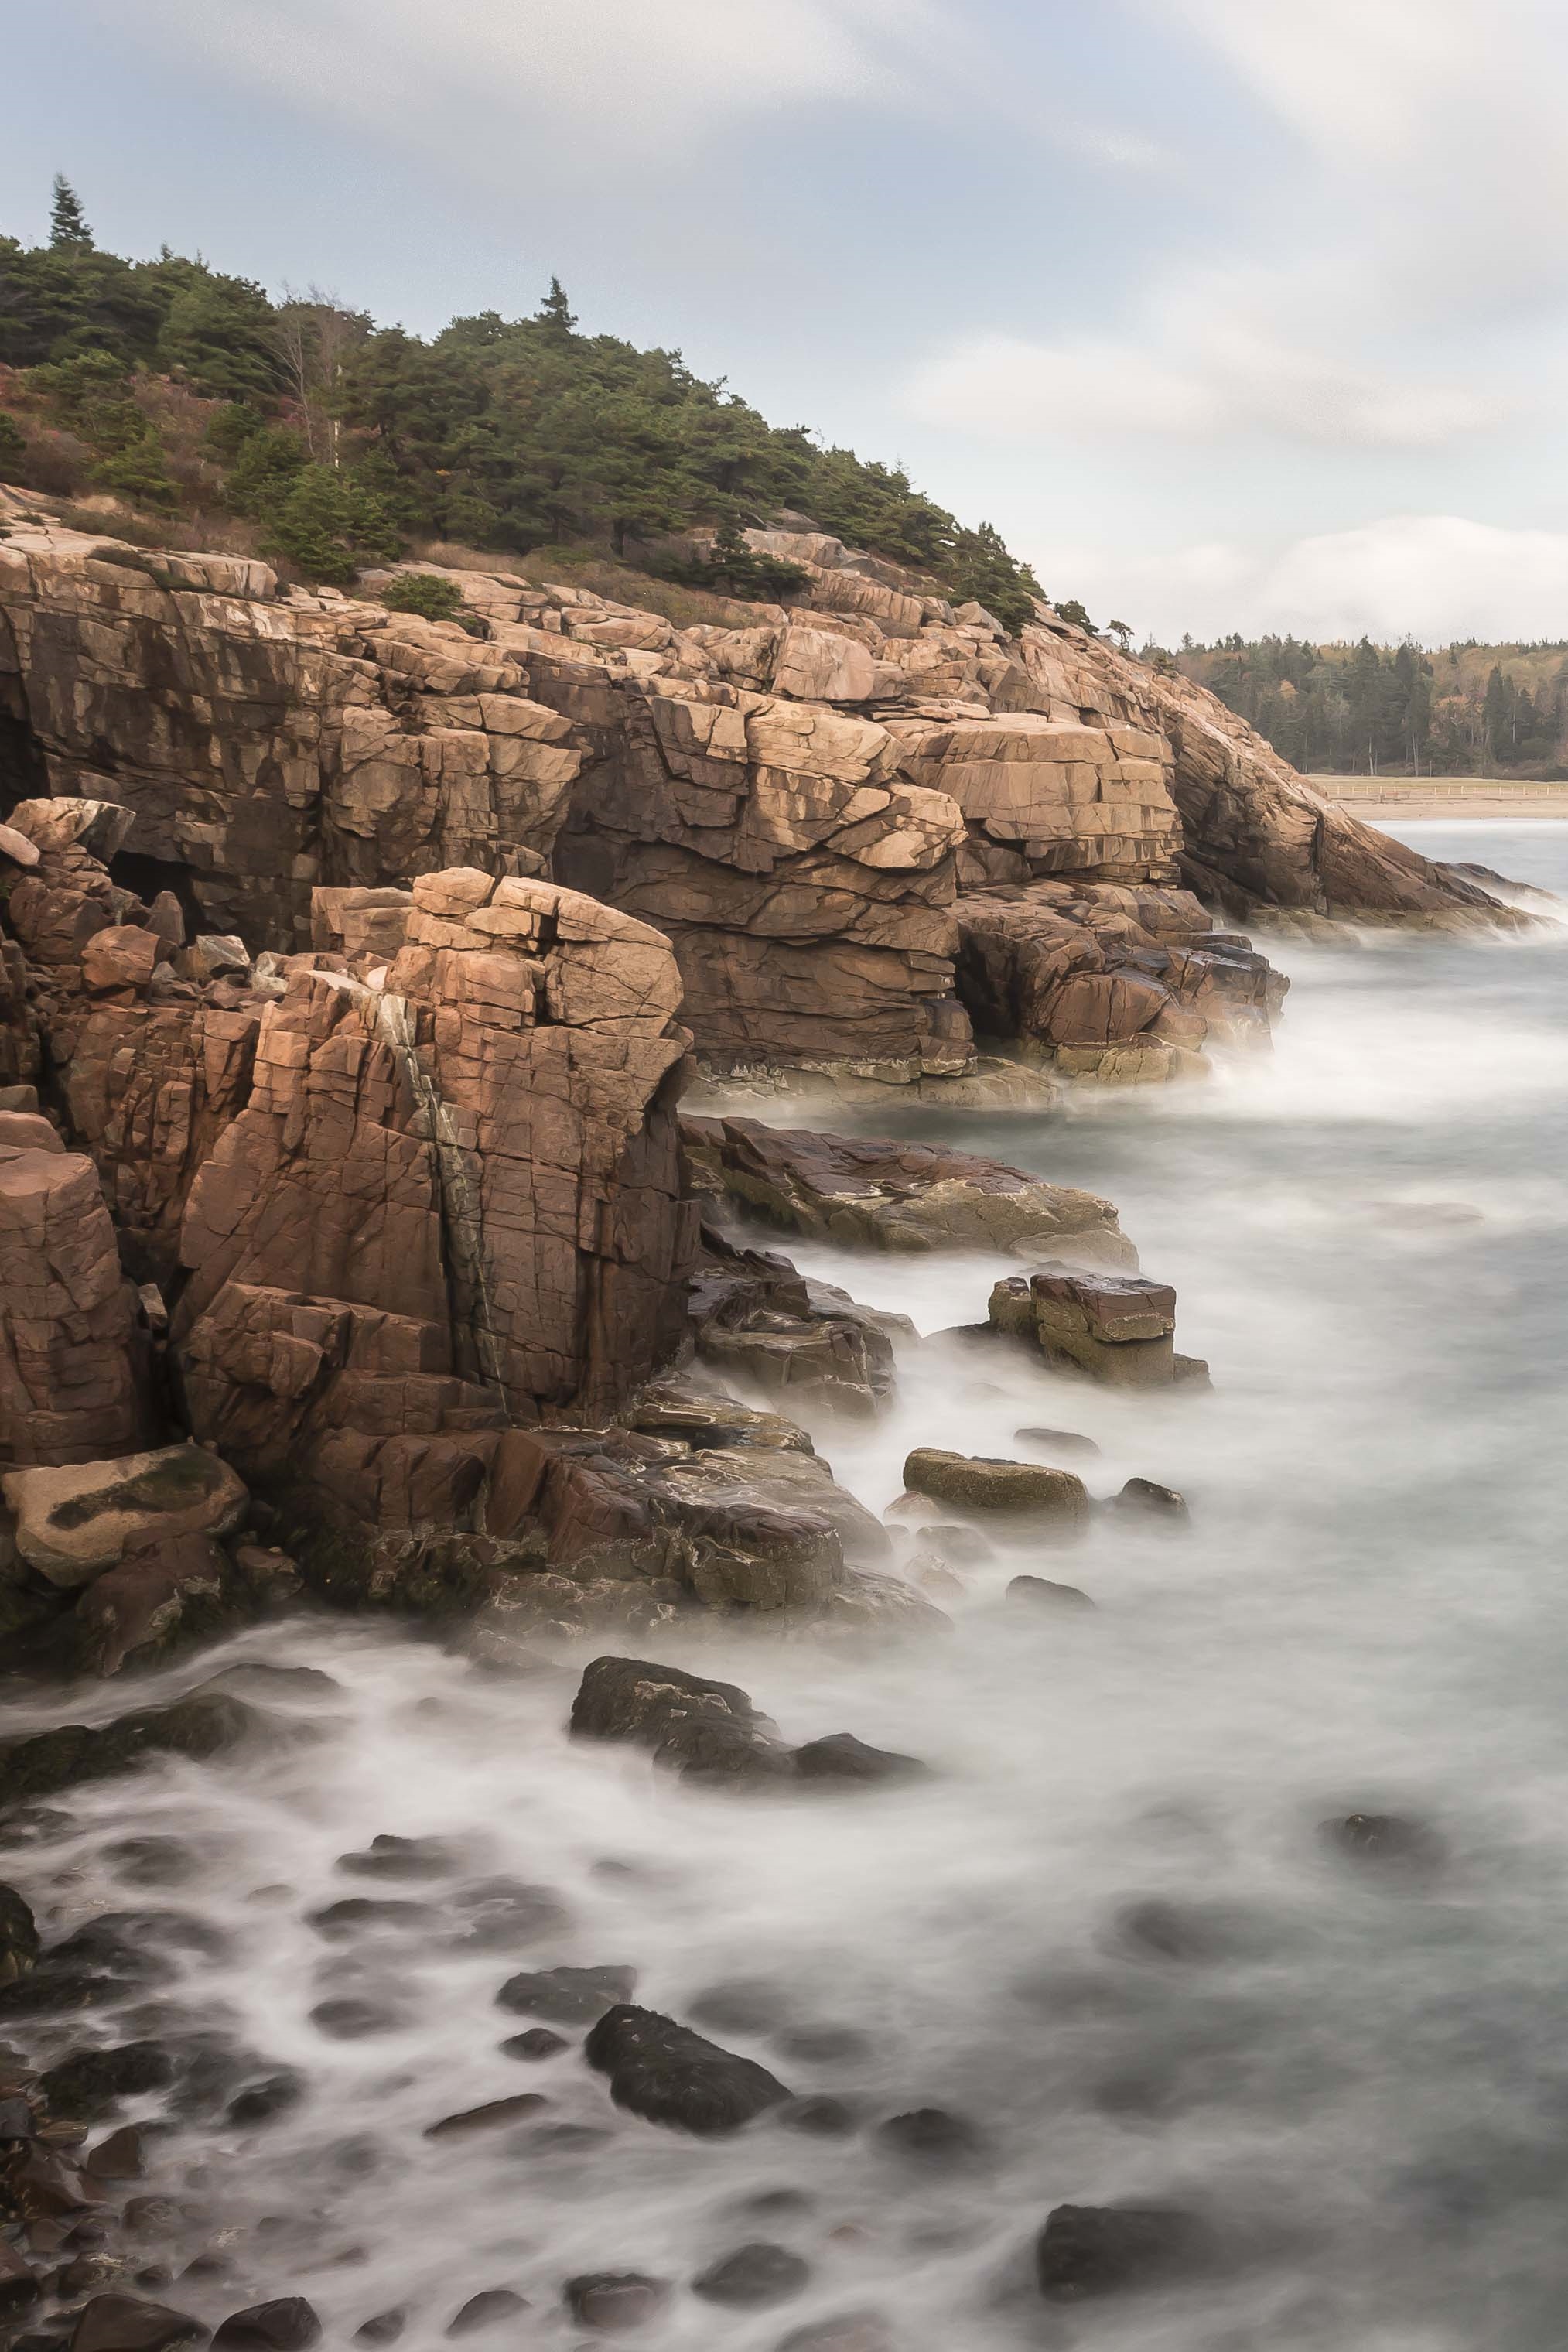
x=567, y=1995
x=287, y=2325
x=1116, y=1327
x=667, y=2075
x=753, y=2278
x=901, y=1196
x=758, y=1319
x=130, y=2323
x=43, y=1763
x=1018, y=1489
x=73, y=1524
x=1086, y=2251
x=842, y=1757
x=702, y=1728
x=613, y=2301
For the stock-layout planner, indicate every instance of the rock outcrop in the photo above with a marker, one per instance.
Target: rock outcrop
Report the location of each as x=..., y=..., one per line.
x=452, y=1200
x=818, y=811
x=898, y=1196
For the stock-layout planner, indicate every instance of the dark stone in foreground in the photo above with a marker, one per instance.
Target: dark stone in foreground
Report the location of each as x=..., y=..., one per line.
x=87, y=2086
x=612, y=2300
x=127, y=2323
x=1146, y=1498
x=289, y=2324
x=702, y=1728
x=202, y=1725
x=842, y=1757
x=668, y=2074
x=931, y=2135
x=385, y=2327
x=538, y=2042
x=1096, y=2250
x=567, y=1995
x=753, y=2277
x=487, y=2309
x=489, y=2117
x=18, y=1936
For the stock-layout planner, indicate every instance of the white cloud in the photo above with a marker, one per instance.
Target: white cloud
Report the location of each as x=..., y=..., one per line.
x=1430, y=576
x=586, y=88
x=1233, y=378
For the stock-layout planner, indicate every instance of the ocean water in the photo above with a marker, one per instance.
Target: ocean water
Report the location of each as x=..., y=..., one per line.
x=1357, y=2075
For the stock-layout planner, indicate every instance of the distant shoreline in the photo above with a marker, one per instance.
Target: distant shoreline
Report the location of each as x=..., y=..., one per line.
x=1500, y=799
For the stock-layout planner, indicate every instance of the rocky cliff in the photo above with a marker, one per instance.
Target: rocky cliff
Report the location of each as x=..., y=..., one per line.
x=830, y=815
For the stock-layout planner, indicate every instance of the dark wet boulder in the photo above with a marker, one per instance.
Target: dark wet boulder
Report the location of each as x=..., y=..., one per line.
x=354, y=2017
x=1385, y=1841
x=842, y=1757
x=537, y=2043
x=1086, y=2250
x=666, y=2073
x=129, y=2323
x=708, y=1729
x=87, y=2086
x=848, y=2331
x=202, y=1725
x=488, y=2308
x=567, y=1995
x=615, y=2300
x=18, y=1936
x=496, y=1914
x=382, y=2327
x=1037, y=1593
x=399, y=1857
x=930, y=2136
x=20, y=2286
x=287, y=2325
x=361, y=1915
x=494, y=2116
x=753, y=2277
x=270, y=2095
x=1146, y=1498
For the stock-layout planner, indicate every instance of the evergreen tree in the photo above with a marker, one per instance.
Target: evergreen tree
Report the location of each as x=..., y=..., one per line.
x=556, y=313
x=69, y=231
x=329, y=525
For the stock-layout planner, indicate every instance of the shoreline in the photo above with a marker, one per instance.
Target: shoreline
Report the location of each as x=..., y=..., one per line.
x=1406, y=800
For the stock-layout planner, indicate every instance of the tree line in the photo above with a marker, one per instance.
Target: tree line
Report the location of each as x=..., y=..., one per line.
x=344, y=440
x=1465, y=709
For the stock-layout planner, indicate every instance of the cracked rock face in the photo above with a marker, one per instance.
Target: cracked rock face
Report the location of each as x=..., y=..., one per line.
x=452, y=1199
x=797, y=804
x=68, y=1386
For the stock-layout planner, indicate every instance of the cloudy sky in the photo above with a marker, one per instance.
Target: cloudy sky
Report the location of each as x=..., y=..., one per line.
x=1229, y=313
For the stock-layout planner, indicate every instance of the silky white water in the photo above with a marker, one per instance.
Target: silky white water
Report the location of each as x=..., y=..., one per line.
x=1366, y=2087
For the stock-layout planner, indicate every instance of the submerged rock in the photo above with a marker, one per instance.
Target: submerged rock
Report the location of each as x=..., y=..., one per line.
x=753, y=2277
x=567, y=1995
x=202, y=1725
x=287, y=2325
x=1089, y=2250
x=666, y=2073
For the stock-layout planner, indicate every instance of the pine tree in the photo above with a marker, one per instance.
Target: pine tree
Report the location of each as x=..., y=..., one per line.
x=556, y=311
x=69, y=231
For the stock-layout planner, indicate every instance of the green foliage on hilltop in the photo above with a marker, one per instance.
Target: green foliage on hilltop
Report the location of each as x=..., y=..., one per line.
x=1465, y=710
x=495, y=434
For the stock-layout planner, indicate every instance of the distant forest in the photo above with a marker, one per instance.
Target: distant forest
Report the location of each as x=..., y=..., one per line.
x=1469, y=710
x=303, y=430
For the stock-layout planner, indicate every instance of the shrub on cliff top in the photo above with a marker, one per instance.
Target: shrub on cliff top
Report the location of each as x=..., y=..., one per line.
x=329, y=525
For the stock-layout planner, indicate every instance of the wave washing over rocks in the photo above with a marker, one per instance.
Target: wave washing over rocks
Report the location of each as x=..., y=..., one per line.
x=634, y=1720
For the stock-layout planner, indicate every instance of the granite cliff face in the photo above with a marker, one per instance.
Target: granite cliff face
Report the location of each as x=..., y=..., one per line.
x=830, y=815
